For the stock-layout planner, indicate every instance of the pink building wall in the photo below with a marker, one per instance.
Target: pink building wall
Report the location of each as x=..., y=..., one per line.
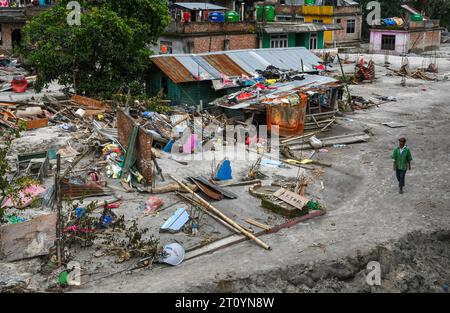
x=401, y=41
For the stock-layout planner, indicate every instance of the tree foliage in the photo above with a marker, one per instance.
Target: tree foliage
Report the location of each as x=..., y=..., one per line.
x=10, y=187
x=107, y=53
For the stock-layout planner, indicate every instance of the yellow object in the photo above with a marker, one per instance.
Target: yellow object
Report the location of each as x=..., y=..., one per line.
x=318, y=10
x=323, y=13
x=304, y=161
x=100, y=117
x=271, y=81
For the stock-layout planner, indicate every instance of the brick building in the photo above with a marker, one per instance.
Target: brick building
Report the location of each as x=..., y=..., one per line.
x=192, y=31
x=14, y=16
x=412, y=33
x=345, y=13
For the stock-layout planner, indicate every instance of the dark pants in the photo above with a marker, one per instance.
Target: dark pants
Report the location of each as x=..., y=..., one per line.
x=401, y=178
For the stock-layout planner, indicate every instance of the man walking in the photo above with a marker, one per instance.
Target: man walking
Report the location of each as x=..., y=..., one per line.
x=402, y=161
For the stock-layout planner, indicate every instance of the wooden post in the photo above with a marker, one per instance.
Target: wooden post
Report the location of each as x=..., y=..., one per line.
x=58, y=210
x=221, y=215
x=349, y=100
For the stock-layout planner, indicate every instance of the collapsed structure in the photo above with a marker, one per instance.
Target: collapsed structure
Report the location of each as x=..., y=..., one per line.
x=253, y=82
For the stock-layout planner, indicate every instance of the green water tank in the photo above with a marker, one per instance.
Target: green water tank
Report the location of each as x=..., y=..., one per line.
x=232, y=16
x=310, y=2
x=270, y=13
x=265, y=13
x=259, y=12
x=416, y=18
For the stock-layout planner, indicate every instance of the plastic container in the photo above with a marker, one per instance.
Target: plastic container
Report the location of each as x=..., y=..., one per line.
x=416, y=18
x=217, y=17
x=19, y=84
x=265, y=13
x=232, y=17
x=259, y=12
x=270, y=13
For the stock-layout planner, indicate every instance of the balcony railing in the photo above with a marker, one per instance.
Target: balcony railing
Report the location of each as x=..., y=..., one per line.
x=17, y=4
x=176, y=27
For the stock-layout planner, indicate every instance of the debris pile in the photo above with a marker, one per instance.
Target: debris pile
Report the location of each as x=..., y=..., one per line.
x=13, y=77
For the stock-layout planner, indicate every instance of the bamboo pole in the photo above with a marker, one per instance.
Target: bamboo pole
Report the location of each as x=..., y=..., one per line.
x=200, y=206
x=220, y=214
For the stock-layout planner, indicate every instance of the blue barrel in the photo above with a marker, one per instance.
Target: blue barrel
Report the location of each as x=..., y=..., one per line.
x=218, y=17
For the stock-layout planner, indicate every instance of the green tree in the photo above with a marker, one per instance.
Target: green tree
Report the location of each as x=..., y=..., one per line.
x=108, y=52
x=10, y=187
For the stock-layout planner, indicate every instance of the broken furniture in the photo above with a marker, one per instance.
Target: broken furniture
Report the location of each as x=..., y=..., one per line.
x=35, y=164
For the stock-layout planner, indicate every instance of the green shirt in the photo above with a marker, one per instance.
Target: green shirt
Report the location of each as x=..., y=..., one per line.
x=402, y=159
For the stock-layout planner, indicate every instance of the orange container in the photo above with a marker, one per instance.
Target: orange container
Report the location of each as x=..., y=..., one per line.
x=290, y=119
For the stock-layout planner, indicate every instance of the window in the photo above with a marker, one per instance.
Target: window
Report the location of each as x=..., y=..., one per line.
x=278, y=41
x=318, y=21
x=313, y=40
x=284, y=18
x=351, y=26
x=388, y=42
x=338, y=21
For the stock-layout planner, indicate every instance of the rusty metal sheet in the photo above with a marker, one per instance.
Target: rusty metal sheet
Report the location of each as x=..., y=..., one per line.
x=143, y=144
x=290, y=119
x=174, y=69
x=225, y=65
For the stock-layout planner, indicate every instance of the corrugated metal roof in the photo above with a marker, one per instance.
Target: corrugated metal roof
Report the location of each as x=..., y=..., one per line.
x=410, y=9
x=225, y=65
x=181, y=68
x=200, y=6
x=287, y=88
x=277, y=28
x=174, y=70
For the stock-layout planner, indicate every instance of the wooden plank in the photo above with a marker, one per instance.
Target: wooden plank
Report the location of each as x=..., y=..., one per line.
x=235, y=239
x=28, y=239
x=214, y=246
x=37, y=123
x=90, y=103
x=291, y=198
x=258, y=224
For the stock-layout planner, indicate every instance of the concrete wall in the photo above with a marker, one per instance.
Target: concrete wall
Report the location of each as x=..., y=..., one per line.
x=341, y=36
x=424, y=41
x=401, y=41
x=6, y=30
x=200, y=44
x=209, y=27
x=405, y=42
x=217, y=43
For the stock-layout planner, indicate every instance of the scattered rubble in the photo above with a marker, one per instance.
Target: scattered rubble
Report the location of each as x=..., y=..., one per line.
x=117, y=153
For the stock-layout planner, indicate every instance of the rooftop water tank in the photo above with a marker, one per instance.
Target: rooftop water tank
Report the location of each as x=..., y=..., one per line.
x=232, y=16
x=218, y=17
x=265, y=13
x=416, y=18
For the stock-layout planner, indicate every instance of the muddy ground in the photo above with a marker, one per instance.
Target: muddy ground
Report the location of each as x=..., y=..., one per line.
x=367, y=219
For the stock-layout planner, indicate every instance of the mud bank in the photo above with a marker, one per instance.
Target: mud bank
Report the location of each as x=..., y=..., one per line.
x=418, y=262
